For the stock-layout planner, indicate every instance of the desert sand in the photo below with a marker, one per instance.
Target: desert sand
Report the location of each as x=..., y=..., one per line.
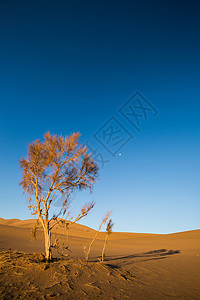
x=137, y=266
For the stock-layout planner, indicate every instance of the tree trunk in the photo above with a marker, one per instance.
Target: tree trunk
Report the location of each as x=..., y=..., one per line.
x=104, y=247
x=47, y=237
x=90, y=245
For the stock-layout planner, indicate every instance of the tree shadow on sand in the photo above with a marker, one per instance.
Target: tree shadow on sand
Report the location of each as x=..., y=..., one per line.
x=150, y=255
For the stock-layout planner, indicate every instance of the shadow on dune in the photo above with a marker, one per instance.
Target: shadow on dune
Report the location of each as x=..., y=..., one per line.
x=150, y=255
x=163, y=252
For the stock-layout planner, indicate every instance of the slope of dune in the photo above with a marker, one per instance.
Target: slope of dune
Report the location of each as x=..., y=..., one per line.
x=137, y=266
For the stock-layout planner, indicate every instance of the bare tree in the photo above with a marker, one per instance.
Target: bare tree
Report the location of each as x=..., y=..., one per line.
x=63, y=165
x=104, y=220
x=109, y=228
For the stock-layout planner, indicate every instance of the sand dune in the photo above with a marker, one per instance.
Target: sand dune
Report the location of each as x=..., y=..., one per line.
x=137, y=266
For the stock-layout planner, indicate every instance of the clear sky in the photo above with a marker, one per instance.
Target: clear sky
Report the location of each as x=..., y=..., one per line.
x=70, y=66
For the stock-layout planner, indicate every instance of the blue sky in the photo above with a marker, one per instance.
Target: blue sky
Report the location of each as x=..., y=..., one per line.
x=70, y=66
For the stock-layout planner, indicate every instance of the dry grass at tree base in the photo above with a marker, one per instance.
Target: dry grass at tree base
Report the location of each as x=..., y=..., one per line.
x=27, y=276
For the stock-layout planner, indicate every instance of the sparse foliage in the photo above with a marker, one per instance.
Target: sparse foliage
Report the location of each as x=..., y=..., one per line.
x=66, y=224
x=69, y=220
x=104, y=220
x=63, y=165
x=109, y=229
